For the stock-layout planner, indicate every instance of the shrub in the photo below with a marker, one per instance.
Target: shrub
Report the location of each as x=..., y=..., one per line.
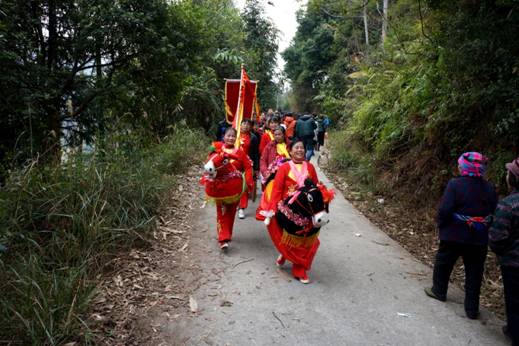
x=60, y=224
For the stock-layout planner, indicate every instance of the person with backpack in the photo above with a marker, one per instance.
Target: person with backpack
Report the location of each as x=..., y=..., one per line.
x=464, y=217
x=305, y=130
x=504, y=241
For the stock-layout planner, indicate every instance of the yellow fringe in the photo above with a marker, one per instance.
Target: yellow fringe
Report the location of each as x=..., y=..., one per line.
x=291, y=240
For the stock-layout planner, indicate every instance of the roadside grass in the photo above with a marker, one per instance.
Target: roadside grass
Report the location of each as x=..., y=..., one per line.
x=61, y=225
x=351, y=162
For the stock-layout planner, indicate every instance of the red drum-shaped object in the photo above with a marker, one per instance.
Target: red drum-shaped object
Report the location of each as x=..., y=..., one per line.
x=225, y=189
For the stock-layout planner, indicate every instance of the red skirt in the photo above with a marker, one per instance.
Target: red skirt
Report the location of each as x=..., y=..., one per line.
x=299, y=250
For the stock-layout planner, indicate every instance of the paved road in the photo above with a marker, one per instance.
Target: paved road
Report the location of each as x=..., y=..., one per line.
x=366, y=290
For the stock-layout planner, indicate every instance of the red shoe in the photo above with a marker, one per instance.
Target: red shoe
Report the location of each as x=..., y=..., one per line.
x=280, y=260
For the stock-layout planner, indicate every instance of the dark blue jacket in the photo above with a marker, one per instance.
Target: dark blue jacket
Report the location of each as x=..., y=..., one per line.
x=470, y=196
x=504, y=233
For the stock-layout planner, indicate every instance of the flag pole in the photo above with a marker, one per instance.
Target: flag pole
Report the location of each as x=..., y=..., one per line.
x=239, y=109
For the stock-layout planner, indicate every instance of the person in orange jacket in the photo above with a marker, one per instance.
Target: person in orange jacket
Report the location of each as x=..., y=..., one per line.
x=290, y=124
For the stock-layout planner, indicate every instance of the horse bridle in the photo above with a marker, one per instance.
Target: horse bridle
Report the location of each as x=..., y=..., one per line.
x=225, y=161
x=306, y=193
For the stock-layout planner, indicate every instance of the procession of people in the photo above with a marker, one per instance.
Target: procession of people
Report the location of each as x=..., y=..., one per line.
x=470, y=218
x=280, y=163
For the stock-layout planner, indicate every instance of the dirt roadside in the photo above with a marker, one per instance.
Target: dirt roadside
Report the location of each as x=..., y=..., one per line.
x=151, y=287
x=415, y=230
x=151, y=281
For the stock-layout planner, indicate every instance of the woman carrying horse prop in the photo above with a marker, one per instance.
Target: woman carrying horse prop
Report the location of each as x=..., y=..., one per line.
x=228, y=171
x=298, y=208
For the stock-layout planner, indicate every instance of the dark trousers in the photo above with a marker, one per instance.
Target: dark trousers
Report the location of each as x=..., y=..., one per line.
x=511, y=287
x=309, y=147
x=473, y=260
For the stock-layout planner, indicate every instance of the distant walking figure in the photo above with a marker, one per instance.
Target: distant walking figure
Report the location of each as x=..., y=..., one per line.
x=463, y=219
x=504, y=241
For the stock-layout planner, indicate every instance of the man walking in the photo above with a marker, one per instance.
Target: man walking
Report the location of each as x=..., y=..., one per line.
x=305, y=129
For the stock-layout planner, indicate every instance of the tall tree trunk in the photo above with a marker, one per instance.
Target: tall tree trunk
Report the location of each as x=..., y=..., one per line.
x=384, y=20
x=51, y=148
x=365, y=18
x=53, y=36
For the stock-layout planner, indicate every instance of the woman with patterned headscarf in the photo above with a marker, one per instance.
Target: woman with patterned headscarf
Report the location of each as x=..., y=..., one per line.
x=464, y=217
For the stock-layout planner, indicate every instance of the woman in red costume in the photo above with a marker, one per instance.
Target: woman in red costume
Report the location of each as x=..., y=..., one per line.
x=226, y=188
x=249, y=145
x=300, y=250
x=274, y=154
x=268, y=134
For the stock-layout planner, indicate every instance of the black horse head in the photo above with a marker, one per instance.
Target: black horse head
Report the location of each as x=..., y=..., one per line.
x=303, y=210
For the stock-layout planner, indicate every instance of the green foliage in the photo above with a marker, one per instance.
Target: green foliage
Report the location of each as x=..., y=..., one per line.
x=347, y=158
x=328, y=40
x=444, y=81
x=260, y=41
x=61, y=224
x=72, y=69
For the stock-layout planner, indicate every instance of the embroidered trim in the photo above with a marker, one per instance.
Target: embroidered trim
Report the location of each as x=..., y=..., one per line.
x=295, y=218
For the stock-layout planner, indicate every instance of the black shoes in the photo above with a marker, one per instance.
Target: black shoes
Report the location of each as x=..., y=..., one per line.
x=431, y=294
x=506, y=332
x=473, y=315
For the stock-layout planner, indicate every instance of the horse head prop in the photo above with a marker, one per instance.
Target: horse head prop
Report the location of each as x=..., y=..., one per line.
x=306, y=210
x=219, y=163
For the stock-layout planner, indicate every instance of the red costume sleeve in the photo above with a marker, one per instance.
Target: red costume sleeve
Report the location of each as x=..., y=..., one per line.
x=247, y=167
x=245, y=143
x=265, y=139
x=279, y=185
x=264, y=162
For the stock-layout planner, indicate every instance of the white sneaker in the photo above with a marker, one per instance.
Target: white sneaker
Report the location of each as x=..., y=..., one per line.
x=280, y=260
x=224, y=246
x=241, y=214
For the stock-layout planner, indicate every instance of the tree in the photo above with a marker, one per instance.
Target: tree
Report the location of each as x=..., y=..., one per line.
x=385, y=7
x=59, y=53
x=261, y=45
x=365, y=20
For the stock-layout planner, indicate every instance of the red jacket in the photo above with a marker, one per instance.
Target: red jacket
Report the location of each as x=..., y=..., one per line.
x=291, y=127
x=268, y=156
x=284, y=184
x=243, y=164
x=266, y=138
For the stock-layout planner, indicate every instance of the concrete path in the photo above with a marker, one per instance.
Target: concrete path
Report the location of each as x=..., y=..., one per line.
x=366, y=290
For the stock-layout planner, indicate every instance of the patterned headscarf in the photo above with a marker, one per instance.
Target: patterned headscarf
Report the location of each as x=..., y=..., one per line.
x=472, y=164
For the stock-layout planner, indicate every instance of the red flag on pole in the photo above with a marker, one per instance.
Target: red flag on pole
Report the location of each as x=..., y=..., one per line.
x=240, y=93
x=238, y=117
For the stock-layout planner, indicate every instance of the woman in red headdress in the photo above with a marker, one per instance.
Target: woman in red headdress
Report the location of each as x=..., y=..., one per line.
x=300, y=250
x=274, y=154
x=228, y=175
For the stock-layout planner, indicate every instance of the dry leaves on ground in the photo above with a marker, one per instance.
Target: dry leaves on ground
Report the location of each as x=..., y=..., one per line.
x=148, y=277
x=415, y=230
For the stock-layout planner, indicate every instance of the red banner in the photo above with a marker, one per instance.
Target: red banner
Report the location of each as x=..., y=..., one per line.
x=232, y=94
